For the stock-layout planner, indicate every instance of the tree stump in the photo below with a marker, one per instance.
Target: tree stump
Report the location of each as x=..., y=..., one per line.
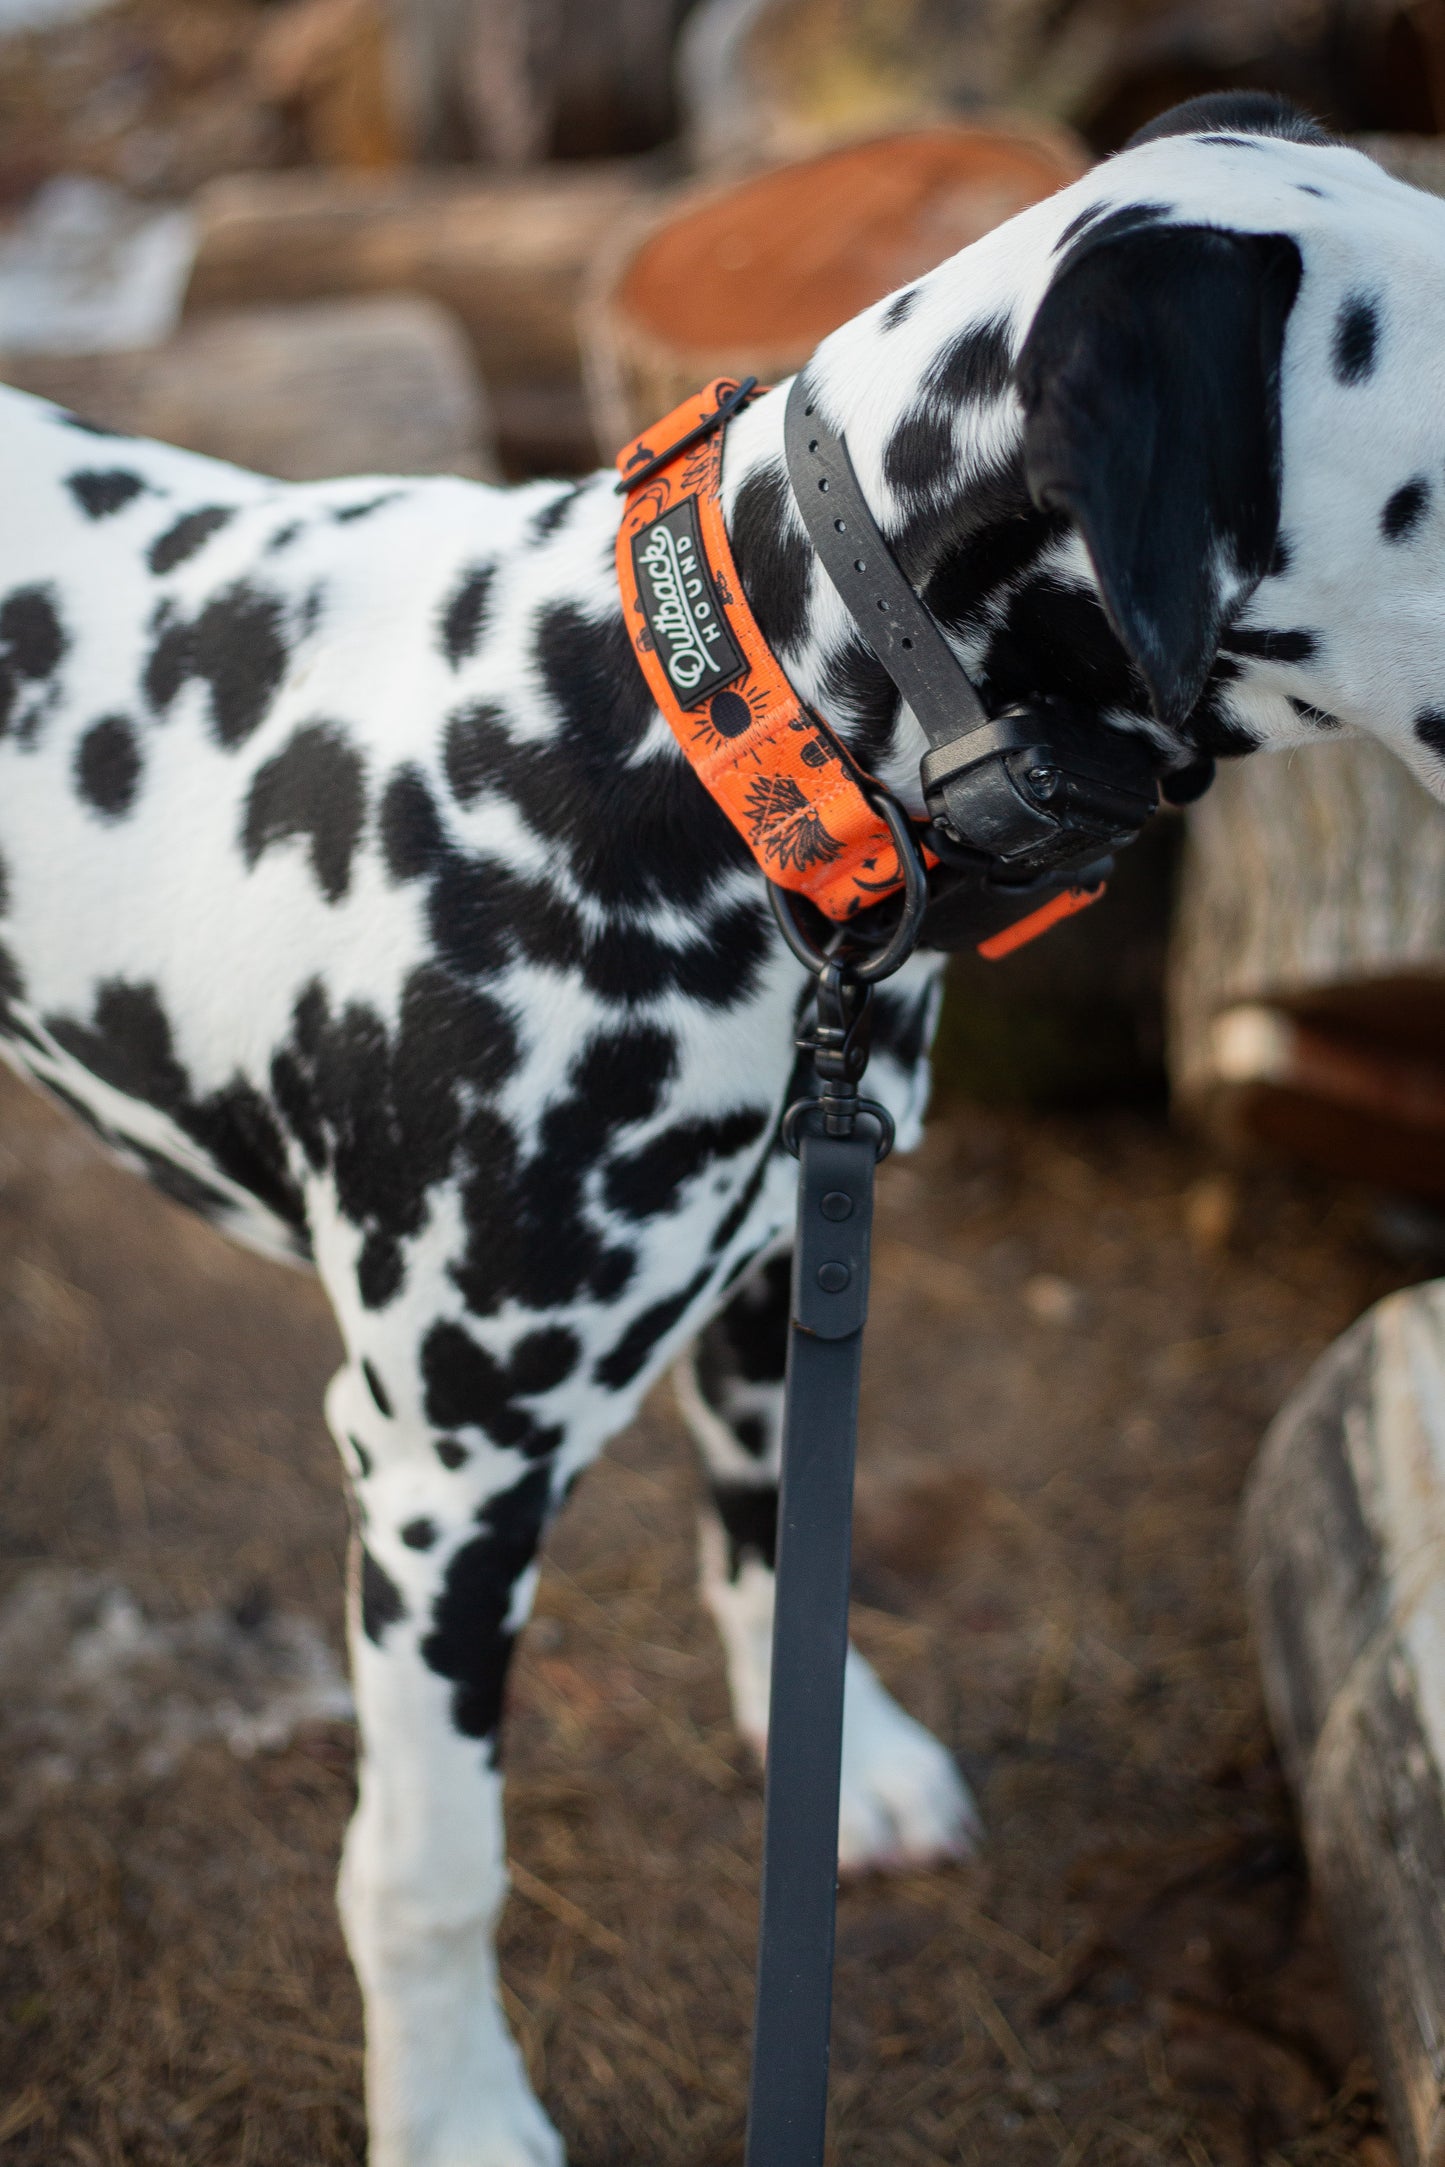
x=335, y=387
x=1344, y=1554
x=1307, y=979
x=746, y=277
x=507, y=255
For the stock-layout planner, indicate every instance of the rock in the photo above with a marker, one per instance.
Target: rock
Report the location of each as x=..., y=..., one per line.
x=334, y=387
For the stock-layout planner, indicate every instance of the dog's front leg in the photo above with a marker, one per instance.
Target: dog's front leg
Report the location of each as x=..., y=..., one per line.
x=903, y=1801
x=442, y=1581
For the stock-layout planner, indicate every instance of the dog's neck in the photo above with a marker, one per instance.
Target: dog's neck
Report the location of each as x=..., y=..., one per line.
x=935, y=433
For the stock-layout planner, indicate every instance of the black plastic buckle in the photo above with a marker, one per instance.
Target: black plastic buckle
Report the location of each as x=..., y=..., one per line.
x=722, y=413
x=1035, y=792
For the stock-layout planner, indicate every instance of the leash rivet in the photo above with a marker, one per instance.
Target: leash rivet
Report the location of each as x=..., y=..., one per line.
x=836, y=1205
x=833, y=1278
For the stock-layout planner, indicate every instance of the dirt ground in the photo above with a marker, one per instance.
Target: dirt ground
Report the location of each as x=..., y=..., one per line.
x=1080, y=1328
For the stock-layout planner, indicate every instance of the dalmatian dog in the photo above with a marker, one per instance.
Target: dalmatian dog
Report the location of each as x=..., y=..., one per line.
x=351, y=885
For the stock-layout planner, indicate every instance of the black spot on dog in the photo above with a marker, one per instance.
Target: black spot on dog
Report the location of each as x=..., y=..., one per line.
x=1317, y=717
x=900, y=308
x=772, y=554
x=316, y=787
x=1282, y=557
x=468, y=1388
x=748, y=1340
x=470, y=1641
x=188, y=536
x=450, y=1453
x=635, y=831
x=31, y=630
x=380, y=1269
x=1271, y=646
x=285, y=536
x=472, y=735
x=749, y=1514
x=1101, y=222
x=1054, y=638
x=464, y=616
x=413, y=841
x=363, y=1457
x=651, y=1180
x=1405, y=509
x=108, y=766
x=385, y=1112
x=33, y=645
x=344, y=514
x=554, y=515
x=236, y=647
x=419, y=1534
x=629, y=1356
x=919, y=459
x=100, y=493
x=1356, y=339
x=1430, y=729
x=128, y=1044
x=381, y=1603
x=901, y=1024
x=529, y=1237
x=376, y=1388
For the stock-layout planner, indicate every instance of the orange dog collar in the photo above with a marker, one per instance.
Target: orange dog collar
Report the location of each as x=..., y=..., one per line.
x=779, y=774
x=784, y=781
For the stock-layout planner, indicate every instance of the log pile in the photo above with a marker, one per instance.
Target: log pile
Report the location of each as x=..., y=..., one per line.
x=506, y=254
x=746, y=276
x=331, y=387
x=1344, y=1553
x=1307, y=981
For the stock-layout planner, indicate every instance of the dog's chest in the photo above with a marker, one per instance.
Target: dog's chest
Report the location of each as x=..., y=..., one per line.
x=347, y=882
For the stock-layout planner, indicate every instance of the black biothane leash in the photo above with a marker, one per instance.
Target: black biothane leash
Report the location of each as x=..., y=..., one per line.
x=1019, y=803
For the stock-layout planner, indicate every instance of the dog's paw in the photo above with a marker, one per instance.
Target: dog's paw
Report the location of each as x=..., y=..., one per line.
x=514, y=2134
x=903, y=1802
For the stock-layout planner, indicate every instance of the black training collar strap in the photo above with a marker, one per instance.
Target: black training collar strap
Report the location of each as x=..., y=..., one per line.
x=900, y=630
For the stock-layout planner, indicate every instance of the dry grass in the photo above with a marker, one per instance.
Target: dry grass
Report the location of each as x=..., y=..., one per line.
x=1075, y=1346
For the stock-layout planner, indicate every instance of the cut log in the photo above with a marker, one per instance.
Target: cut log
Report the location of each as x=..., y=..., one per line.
x=507, y=255
x=1307, y=976
x=746, y=277
x=1344, y=1554
x=337, y=387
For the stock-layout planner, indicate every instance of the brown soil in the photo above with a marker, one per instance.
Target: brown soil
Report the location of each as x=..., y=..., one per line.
x=1080, y=1329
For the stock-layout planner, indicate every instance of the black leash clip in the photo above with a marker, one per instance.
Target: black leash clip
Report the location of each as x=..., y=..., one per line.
x=838, y=1038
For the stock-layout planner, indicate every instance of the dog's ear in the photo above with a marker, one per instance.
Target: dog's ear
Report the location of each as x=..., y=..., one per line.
x=1150, y=388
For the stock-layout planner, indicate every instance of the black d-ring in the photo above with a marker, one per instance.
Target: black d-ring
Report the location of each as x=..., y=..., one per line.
x=867, y=966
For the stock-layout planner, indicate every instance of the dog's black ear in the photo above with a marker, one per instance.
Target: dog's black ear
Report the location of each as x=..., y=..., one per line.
x=1150, y=389
x=1234, y=112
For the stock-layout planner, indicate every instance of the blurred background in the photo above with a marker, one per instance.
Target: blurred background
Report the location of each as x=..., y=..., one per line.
x=1179, y=1146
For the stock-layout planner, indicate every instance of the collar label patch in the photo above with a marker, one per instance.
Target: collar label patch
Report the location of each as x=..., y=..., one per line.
x=680, y=603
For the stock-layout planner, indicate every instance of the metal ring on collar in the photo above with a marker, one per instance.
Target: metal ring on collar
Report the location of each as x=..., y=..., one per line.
x=866, y=968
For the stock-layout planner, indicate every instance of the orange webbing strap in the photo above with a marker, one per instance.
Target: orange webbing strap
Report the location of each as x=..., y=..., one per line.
x=784, y=781
x=1024, y=930
x=782, y=778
